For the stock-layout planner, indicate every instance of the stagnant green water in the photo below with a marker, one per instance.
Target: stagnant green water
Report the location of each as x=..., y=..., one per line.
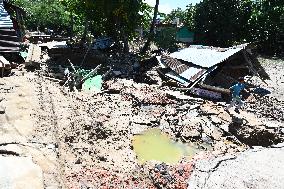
x=155, y=145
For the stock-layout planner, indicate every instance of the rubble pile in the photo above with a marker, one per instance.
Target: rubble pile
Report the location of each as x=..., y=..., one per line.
x=92, y=132
x=101, y=129
x=256, y=136
x=141, y=93
x=96, y=178
x=267, y=106
x=122, y=63
x=165, y=176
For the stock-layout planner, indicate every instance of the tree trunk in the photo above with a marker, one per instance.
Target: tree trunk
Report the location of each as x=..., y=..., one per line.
x=72, y=26
x=84, y=37
x=126, y=46
x=151, y=34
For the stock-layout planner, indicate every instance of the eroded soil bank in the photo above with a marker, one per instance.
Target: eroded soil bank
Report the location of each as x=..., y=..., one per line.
x=85, y=140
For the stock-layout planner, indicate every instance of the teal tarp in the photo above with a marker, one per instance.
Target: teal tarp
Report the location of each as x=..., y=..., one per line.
x=93, y=84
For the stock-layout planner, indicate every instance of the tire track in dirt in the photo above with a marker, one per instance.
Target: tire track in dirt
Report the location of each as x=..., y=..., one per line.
x=48, y=127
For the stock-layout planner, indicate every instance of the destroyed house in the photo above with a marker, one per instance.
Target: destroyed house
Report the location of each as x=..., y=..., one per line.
x=210, y=69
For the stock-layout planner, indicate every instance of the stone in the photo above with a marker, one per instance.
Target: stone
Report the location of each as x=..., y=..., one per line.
x=216, y=120
x=250, y=169
x=225, y=127
x=272, y=124
x=2, y=110
x=191, y=131
x=217, y=134
x=192, y=114
x=195, y=106
x=211, y=130
x=206, y=139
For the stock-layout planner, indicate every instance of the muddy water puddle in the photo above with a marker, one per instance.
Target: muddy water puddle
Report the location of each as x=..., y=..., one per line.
x=155, y=145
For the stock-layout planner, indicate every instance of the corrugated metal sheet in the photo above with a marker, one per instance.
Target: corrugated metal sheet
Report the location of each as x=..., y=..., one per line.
x=176, y=77
x=193, y=73
x=5, y=20
x=190, y=73
x=206, y=57
x=174, y=64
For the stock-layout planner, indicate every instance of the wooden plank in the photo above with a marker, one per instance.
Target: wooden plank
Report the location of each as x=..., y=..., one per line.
x=52, y=79
x=30, y=52
x=34, y=53
x=4, y=62
x=236, y=67
x=215, y=89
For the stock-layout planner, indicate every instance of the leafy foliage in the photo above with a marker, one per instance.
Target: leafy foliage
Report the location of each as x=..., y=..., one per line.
x=117, y=19
x=226, y=22
x=185, y=16
x=40, y=15
x=267, y=25
x=221, y=22
x=176, y=13
x=215, y=22
x=166, y=39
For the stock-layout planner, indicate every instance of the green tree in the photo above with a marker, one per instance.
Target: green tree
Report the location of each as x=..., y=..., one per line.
x=116, y=19
x=151, y=35
x=40, y=15
x=266, y=26
x=222, y=22
x=166, y=39
x=174, y=14
x=189, y=16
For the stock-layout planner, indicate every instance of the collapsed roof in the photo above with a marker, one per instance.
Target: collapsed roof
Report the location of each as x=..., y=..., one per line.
x=211, y=65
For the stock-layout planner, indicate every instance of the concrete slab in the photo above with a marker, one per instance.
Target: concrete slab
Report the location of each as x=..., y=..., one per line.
x=257, y=168
x=19, y=173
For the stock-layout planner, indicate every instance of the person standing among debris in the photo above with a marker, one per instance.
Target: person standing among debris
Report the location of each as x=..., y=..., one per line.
x=236, y=95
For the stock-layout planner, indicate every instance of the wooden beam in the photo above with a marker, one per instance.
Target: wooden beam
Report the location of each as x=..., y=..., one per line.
x=52, y=79
x=236, y=67
x=208, y=87
x=215, y=89
x=73, y=67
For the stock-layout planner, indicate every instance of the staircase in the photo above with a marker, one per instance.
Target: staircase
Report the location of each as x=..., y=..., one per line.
x=9, y=42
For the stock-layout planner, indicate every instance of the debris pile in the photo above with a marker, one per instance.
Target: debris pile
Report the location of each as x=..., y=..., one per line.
x=95, y=178
x=267, y=106
x=165, y=176
x=119, y=98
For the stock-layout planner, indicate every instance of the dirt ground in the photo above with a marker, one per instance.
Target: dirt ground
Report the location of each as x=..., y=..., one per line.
x=83, y=140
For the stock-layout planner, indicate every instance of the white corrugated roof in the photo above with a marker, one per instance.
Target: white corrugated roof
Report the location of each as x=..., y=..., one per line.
x=205, y=56
x=176, y=77
x=191, y=72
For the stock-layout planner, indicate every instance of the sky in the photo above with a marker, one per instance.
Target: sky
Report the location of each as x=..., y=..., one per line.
x=167, y=5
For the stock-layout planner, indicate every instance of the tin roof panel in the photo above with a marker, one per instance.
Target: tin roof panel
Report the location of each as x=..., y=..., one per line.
x=206, y=57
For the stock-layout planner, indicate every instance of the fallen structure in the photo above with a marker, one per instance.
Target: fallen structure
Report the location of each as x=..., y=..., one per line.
x=210, y=71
